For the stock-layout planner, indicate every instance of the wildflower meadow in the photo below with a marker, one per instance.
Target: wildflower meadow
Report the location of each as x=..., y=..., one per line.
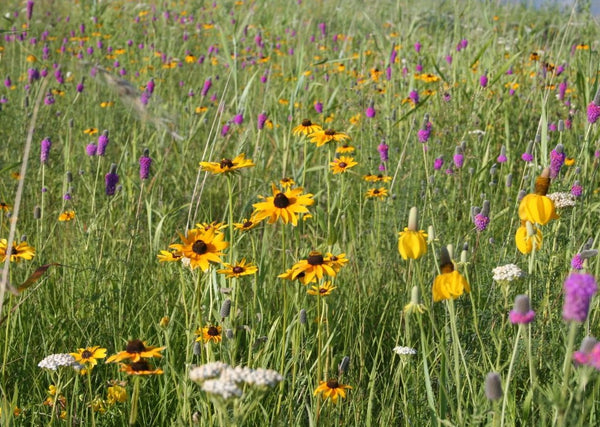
x=309, y=212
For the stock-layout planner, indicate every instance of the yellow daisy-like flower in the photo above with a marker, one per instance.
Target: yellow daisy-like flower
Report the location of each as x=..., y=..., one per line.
x=91, y=131
x=285, y=205
x=202, y=247
x=246, y=224
x=332, y=389
x=227, y=165
x=66, y=216
x=569, y=161
x=217, y=226
x=239, y=269
x=18, y=252
x=322, y=137
x=88, y=356
x=287, y=183
x=135, y=351
x=141, y=367
x=377, y=193
x=377, y=178
x=342, y=164
x=323, y=289
x=314, y=266
x=344, y=149
x=169, y=256
x=289, y=275
x=450, y=284
x=336, y=261
x=5, y=207
x=209, y=334
x=306, y=128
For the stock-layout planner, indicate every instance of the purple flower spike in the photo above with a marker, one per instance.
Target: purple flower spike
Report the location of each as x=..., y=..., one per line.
x=557, y=158
x=206, y=87
x=45, y=151
x=111, y=180
x=383, y=151
x=579, y=289
x=483, y=80
x=319, y=107
x=593, y=112
x=577, y=262
x=417, y=47
x=145, y=163
x=370, y=111
x=414, y=96
x=262, y=119
x=29, y=7
x=438, y=163
x=102, y=143
x=585, y=355
x=91, y=149
x=238, y=119
x=481, y=222
x=521, y=313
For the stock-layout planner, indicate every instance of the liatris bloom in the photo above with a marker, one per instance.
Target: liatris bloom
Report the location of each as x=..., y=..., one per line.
x=579, y=289
x=319, y=107
x=262, y=119
x=583, y=356
x=593, y=109
x=45, y=150
x=577, y=262
x=29, y=6
x=383, y=151
x=145, y=163
x=414, y=96
x=91, y=149
x=562, y=89
x=370, y=111
x=425, y=131
x=238, y=119
x=102, y=143
x=417, y=47
x=576, y=189
x=459, y=157
x=225, y=129
x=481, y=217
x=483, y=80
x=493, y=386
x=527, y=156
x=438, y=163
x=206, y=87
x=502, y=157
x=557, y=158
x=111, y=180
x=521, y=313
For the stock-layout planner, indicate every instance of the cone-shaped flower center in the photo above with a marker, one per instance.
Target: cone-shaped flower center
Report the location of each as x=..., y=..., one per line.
x=376, y=191
x=135, y=346
x=199, y=247
x=86, y=354
x=213, y=331
x=333, y=383
x=226, y=163
x=315, y=258
x=306, y=123
x=140, y=366
x=237, y=269
x=281, y=201
x=342, y=164
x=329, y=132
x=247, y=224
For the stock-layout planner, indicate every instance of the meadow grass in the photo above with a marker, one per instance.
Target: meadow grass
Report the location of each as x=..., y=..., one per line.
x=441, y=100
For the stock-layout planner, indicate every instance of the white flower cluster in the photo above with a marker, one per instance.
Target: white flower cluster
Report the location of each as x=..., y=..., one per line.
x=507, y=273
x=55, y=361
x=562, y=199
x=404, y=350
x=220, y=378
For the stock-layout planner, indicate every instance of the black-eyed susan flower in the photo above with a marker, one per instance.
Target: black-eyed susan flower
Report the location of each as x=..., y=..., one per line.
x=5, y=207
x=89, y=356
x=238, y=269
x=336, y=261
x=322, y=137
x=216, y=226
x=141, y=367
x=287, y=183
x=135, y=351
x=449, y=284
x=201, y=247
x=377, y=178
x=91, y=131
x=289, y=275
x=525, y=237
x=315, y=266
x=411, y=241
x=169, y=256
x=342, y=164
x=344, y=149
x=332, y=389
x=227, y=165
x=285, y=205
x=323, y=289
x=306, y=128
x=209, y=334
x=538, y=208
x=66, y=216
x=19, y=251
x=377, y=193
x=246, y=224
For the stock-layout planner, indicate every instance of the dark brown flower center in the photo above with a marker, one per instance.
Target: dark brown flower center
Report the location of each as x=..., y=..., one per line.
x=281, y=201
x=140, y=366
x=306, y=123
x=135, y=346
x=379, y=176
x=86, y=354
x=315, y=258
x=333, y=258
x=213, y=331
x=329, y=132
x=322, y=290
x=247, y=224
x=199, y=247
x=237, y=269
x=376, y=191
x=342, y=165
x=226, y=164
x=332, y=383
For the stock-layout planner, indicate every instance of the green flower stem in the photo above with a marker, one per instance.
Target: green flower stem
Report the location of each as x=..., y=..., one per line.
x=510, y=369
x=568, y=363
x=428, y=388
x=134, y=401
x=89, y=383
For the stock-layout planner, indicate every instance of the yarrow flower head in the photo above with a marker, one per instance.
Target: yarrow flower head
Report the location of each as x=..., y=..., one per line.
x=507, y=273
x=579, y=290
x=562, y=199
x=402, y=351
x=55, y=361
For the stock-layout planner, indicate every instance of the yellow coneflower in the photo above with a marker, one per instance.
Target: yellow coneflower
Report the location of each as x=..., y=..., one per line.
x=19, y=251
x=91, y=131
x=246, y=224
